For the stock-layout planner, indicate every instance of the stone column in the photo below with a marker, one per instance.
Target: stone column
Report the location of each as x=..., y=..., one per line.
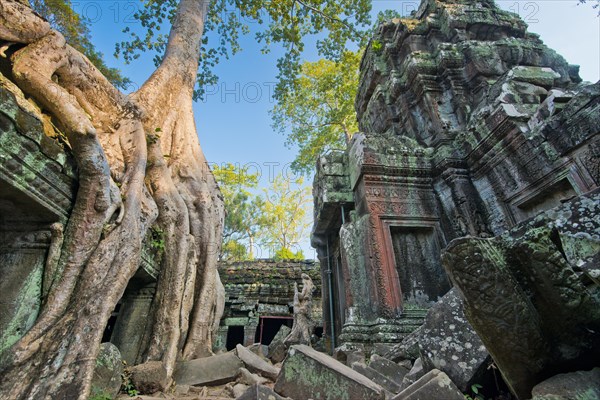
x=250, y=331
x=220, y=342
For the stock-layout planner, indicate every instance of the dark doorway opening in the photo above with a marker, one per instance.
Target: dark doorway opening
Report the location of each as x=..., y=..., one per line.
x=318, y=332
x=235, y=335
x=110, y=325
x=268, y=328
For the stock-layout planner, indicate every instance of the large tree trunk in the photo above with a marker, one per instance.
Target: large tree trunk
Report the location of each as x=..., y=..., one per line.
x=131, y=176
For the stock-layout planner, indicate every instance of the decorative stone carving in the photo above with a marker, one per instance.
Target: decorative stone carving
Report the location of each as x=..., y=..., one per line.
x=534, y=307
x=469, y=126
x=303, y=322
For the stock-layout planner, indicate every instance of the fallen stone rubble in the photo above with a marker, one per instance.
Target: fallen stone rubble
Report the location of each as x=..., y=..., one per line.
x=304, y=374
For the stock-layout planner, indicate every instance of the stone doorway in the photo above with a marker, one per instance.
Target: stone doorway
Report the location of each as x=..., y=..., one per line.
x=269, y=326
x=235, y=336
x=417, y=256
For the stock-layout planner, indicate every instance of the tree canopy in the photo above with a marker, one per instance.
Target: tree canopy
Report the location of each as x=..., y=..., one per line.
x=141, y=168
x=75, y=29
x=274, y=219
x=318, y=115
x=285, y=206
x=286, y=23
x=243, y=211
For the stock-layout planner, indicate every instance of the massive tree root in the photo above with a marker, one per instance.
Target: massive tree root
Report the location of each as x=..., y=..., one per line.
x=139, y=164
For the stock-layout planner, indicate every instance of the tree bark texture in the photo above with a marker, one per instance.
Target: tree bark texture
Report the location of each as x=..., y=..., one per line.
x=140, y=165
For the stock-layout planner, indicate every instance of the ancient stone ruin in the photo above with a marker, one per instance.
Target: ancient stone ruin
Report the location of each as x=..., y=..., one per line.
x=458, y=235
x=259, y=300
x=470, y=127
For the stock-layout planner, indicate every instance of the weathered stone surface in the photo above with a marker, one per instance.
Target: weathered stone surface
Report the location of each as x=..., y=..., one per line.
x=259, y=392
x=388, y=368
x=256, y=364
x=239, y=389
x=108, y=371
x=376, y=377
x=248, y=378
x=415, y=373
x=307, y=374
x=449, y=343
x=303, y=319
x=580, y=385
x=150, y=377
x=214, y=370
x=407, y=349
x=524, y=294
x=181, y=389
x=435, y=385
x=350, y=353
x=260, y=350
x=277, y=349
x=37, y=190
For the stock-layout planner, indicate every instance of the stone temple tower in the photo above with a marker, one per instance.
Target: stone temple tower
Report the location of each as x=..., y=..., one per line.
x=469, y=125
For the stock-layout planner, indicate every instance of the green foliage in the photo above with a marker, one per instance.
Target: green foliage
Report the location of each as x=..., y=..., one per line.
x=475, y=389
x=157, y=239
x=286, y=254
x=74, y=28
x=100, y=396
x=275, y=219
x=377, y=46
x=243, y=211
x=317, y=111
x=318, y=115
x=127, y=385
x=285, y=206
x=283, y=22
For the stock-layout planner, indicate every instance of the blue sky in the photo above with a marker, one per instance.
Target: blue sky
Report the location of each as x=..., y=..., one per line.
x=233, y=121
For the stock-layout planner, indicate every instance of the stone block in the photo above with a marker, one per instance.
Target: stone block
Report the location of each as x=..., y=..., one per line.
x=350, y=353
x=307, y=374
x=248, y=378
x=525, y=280
x=387, y=368
x=150, y=377
x=259, y=392
x=260, y=350
x=277, y=349
x=238, y=390
x=376, y=377
x=108, y=371
x=540, y=76
x=434, y=385
x=408, y=349
x=575, y=385
x=214, y=370
x=256, y=364
x=449, y=343
x=416, y=372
